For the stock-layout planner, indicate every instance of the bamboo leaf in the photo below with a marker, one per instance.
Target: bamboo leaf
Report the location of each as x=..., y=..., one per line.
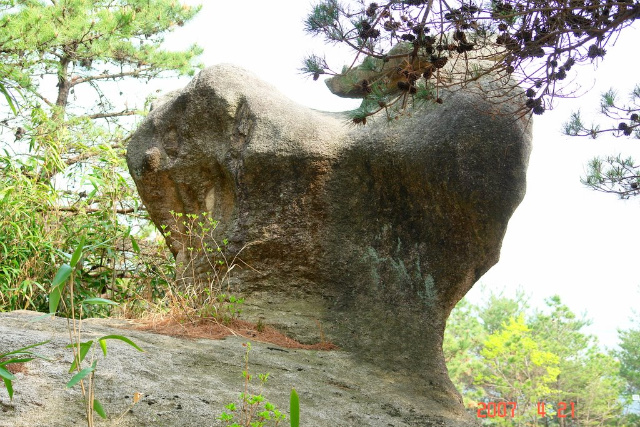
x=294, y=409
x=103, y=346
x=9, y=386
x=84, y=349
x=97, y=406
x=134, y=244
x=62, y=275
x=80, y=375
x=78, y=252
x=54, y=300
x=99, y=301
x=25, y=360
x=6, y=375
x=118, y=337
x=9, y=98
x=57, y=284
x=23, y=349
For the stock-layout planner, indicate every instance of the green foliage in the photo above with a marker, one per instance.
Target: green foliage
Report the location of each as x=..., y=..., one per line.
x=612, y=174
x=27, y=249
x=588, y=375
x=462, y=343
x=225, y=308
x=253, y=409
x=64, y=175
x=499, y=309
x=314, y=65
x=499, y=353
x=517, y=369
x=629, y=356
x=600, y=388
x=623, y=116
x=45, y=37
x=199, y=295
x=82, y=348
x=560, y=329
x=323, y=16
x=8, y=96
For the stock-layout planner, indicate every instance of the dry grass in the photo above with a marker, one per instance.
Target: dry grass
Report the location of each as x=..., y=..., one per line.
x=212, y=329
x=202, y=306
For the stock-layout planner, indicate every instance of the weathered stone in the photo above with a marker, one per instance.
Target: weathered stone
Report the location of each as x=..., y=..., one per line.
x=367, y=235
x=188, y=382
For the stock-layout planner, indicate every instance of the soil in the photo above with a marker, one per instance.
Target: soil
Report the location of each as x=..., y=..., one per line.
x=216, y=330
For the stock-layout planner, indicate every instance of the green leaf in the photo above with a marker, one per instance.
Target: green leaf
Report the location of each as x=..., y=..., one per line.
x=54, y=300
x=78, y=252
x=9, y=98
x=97, y=406
x=99, y=301
x=9, y=386
x=5, y=194
x=84, y=349
x=6, y=375
x=80, y=375
x=24, y=349
x=294, y=409
x=103, y=346
x=23, y=360
x=61, y=276
x=134, y=243
x=118, y=337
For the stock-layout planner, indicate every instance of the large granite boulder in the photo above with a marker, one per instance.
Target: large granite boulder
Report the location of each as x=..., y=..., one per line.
x=368, y=235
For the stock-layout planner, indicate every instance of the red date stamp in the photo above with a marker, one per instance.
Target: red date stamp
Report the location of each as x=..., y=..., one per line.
x=508, y=409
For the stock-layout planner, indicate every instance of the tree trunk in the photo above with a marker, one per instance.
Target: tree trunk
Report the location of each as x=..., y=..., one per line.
x=64, y=87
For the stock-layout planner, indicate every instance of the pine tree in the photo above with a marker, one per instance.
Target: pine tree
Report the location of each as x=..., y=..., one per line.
x=62, y=62
x=629, y=355
x=497, y=354
x=418, y=47
x=612, y=174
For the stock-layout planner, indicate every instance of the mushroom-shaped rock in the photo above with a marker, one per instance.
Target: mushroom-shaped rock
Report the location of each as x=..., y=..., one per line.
x=366, y=236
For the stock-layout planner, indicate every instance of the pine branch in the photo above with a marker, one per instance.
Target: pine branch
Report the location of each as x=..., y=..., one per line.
x=93, y=210
x=137, y=73
x=47, y=175
x=109, y=115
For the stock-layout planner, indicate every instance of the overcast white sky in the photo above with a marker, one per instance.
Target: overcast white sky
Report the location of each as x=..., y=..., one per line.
x=564, y=238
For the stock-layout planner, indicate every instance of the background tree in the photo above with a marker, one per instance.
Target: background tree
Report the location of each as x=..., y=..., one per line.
x=461, y=346
x=408, y=45
x=62, y=169
x=518, y=370
x=629, y=356
x=588, y=377
x=560, y=332
x=541, y=356
x=498, y=309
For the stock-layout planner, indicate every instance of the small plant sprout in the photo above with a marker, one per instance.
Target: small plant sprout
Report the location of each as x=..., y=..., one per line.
x=202, y=285
x=85, y=376
x=253, y=410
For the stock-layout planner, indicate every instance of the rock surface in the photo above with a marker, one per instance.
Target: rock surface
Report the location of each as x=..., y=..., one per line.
x=187, y=383
x=367, y=235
